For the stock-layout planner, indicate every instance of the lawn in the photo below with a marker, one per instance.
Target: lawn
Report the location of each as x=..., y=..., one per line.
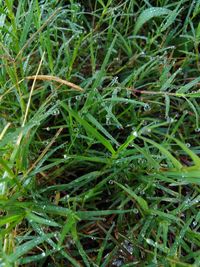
x=99, y=133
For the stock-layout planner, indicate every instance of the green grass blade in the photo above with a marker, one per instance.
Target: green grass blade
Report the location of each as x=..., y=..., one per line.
x=188, y=86
x=179, y=238
x=38, y=219
x=165, y=152
x=91, y=130
x=148, y=14
x=142, y=203
x=101, y=128
x=189, y=152
x=10, y=218
x=27, y=246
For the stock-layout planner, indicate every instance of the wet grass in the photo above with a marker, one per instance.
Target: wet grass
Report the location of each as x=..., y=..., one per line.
x=99, y=133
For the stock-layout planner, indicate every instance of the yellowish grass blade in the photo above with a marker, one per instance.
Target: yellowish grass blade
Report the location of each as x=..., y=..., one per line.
x=56, y=79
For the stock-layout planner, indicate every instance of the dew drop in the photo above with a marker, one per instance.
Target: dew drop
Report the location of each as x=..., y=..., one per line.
x=46, y=143
x=194, y=223
x=135, y=211
x=147, y=107
x=76, y=130
x=135, y=133
x=118, y=262
x=187, y=201
x=107, y=120
x=114, y=81
x=170, y=120
x=196, y=201
x=56, y=112
x=131, y=145
x=150, y=241
x=78, y=97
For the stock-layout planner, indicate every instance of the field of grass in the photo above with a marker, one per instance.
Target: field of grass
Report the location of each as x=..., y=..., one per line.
x=99, y=133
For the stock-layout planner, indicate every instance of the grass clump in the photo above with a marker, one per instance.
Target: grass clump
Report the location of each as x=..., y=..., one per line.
x=99, y=133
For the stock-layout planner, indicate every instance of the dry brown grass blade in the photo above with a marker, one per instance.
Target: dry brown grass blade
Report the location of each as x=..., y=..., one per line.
x=56, y=79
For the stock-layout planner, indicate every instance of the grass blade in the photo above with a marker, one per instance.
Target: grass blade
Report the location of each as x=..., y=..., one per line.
x=91, y=130
x=148, y=14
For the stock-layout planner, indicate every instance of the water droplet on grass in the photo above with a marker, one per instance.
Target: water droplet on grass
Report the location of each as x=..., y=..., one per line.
x=150, y=241
x=56, y=112
x=46, y=143
x=131, y=145
x=119, y=126
x=108, y=120
x=187, y=201
x=78, y=97
x=114, y=81
x=118, y=263
x=135, y=133
x=141, y=161
x=136, y=211
x=195, y=201
x=147, y=107
x=194, y=223
x=170, y=120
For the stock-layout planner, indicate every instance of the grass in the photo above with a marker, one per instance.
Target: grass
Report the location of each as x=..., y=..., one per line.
x=99, y=133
